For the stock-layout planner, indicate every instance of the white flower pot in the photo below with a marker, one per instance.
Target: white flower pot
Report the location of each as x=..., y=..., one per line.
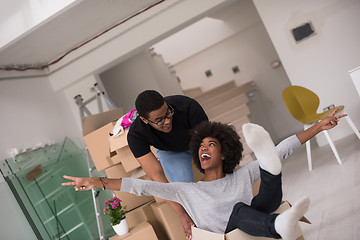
x=121, y=228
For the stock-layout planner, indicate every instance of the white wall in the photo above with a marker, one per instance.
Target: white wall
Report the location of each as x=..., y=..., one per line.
x=25, y=15
x=126, y=80
x=248, y=47
x=252, y=52
x=321, y=62
x=31, y=113
x=208, y=31
x=167, y=81
x=205, y=32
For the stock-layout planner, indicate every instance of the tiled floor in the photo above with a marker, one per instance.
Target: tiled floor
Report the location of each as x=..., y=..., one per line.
x=334, y=190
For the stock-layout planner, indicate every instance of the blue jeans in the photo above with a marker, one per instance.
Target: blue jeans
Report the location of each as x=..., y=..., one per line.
x=257, y=219
x=177, y=165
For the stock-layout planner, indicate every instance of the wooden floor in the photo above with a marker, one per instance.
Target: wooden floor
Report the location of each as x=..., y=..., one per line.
x=334, y=190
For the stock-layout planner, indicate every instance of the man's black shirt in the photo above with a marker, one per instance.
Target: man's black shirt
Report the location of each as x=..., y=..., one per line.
x=187, y=114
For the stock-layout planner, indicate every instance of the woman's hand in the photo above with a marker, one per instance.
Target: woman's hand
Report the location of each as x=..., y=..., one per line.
x=81, y=183
x=326, y=123
x=331, y=120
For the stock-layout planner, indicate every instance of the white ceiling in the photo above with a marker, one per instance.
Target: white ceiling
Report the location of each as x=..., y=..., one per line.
x=68, y=29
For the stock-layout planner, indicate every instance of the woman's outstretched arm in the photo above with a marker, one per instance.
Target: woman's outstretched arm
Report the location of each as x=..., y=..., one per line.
x=85, y=183
x=168, y=191
x=286, y=147
x=326, y=123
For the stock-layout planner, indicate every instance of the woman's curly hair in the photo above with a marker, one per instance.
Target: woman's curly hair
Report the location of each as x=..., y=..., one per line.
x=231, y=147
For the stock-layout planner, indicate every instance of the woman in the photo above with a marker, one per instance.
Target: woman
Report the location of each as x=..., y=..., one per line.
x=223, y=200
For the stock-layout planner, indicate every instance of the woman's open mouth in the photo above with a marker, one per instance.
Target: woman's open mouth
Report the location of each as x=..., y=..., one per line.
x=205, y=157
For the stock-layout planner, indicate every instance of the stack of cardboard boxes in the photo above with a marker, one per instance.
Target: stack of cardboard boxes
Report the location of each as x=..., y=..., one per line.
x=113, y=156
x=149, y=218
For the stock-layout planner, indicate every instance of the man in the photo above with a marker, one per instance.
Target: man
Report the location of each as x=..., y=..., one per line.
x=166, y=124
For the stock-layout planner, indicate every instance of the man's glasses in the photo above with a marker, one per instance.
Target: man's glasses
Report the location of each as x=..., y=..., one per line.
x=161, y=121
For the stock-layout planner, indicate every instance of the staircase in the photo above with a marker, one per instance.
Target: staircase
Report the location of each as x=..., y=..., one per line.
x=227, y=104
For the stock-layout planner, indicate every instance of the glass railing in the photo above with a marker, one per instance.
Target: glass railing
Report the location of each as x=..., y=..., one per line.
x=54, y=211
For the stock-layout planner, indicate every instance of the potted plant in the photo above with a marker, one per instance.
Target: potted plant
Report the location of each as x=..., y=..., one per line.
x=116, y=212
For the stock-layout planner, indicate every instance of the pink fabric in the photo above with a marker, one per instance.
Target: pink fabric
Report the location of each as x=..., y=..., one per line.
x=126, y=121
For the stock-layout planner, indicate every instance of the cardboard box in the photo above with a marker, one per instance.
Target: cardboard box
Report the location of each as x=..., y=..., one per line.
x=119, y=141
x=121, y=152
x=117, y=171
x=140, y=214
x=125, y=156
x=130, y=200
x=157, y=199
x=127, y=159
x=256, y=187
x=98, y=146
x=106, y=150
x=142, y=231
x=96, y=129
x=237, y=234
x=169, y=221
x=96, y=121
x=138, y=173
x=145, y=213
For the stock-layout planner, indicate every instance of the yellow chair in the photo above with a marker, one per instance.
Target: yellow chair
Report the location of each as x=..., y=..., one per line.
x=303, y=104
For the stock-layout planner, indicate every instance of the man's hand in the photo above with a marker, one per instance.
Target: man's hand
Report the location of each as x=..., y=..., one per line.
x=185, y=219
x=186, y=222
x=331, y=121
x=153, y=169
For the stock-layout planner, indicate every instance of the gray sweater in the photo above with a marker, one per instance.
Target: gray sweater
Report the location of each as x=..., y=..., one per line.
x=210, y=204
